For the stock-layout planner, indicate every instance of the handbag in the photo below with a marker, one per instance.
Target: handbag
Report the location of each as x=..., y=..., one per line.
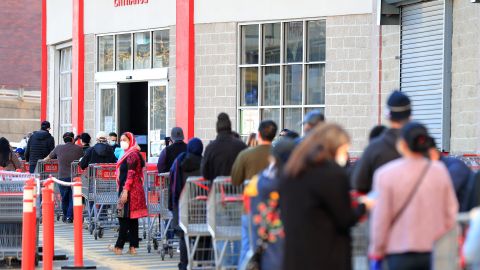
x=122, y=208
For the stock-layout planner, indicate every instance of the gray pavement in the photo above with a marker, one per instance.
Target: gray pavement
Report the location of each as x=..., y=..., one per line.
x=96, y=252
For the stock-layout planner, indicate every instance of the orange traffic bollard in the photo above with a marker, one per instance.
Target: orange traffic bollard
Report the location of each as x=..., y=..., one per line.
x=77, y=227
x=48, y=229
x=28, y=243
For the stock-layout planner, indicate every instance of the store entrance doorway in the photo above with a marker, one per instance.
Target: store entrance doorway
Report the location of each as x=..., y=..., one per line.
x=133, y=111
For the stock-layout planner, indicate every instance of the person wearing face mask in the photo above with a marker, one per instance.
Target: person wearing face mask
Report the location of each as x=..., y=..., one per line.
x=101, y=152
x=415, y=204
x=317, y=211
x=112, y=140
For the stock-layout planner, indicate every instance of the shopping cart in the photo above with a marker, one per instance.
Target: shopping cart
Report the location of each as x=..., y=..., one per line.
x=156, y=190
x=45, y=169
x=224, y=213
x=105, y=197
x=472, y=161
x=193, y=221
x=11, y=209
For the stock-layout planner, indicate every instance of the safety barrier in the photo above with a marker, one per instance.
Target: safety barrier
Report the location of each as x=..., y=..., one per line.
x=224, y=212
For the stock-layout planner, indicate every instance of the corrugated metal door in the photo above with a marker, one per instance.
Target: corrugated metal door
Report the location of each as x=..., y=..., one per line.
x=425, y=65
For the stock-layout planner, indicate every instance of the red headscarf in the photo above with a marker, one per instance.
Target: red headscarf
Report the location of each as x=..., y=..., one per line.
x=132, y=148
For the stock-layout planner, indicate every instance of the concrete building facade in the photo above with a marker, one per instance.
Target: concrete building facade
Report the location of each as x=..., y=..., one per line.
x=254, y=60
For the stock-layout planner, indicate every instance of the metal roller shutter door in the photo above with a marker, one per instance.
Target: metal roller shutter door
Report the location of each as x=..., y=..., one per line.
x=423, y=65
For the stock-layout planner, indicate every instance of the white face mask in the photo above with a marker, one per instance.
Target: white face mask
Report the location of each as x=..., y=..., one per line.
x=124, y=145
x=341, y=160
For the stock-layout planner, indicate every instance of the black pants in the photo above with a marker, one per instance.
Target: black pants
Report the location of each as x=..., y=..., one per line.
x=409, y=261
x=128, y=231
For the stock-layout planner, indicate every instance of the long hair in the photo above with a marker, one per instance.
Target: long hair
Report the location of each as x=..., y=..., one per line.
x=5, y=151
x=252, y=140
x=319, y=146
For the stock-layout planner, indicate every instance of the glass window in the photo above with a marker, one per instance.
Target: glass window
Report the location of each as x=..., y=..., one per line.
x=292, y=119
x=124, y=52
x=315, y=84
x=271, y=43
x=294, y=42
x=107, y=111
x=105, y=53
x=248, y=121
x=308, y=109
x=142, y=50
x=285, y=77
x=271, y=114
x=293, y=85
x=249, y=86
x=65, y=89
x=249, y=41
x=271, y=85
x=158, y=110
x=161, y=49
x=316, y=41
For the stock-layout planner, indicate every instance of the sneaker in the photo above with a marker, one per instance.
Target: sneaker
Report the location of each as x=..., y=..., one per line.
x=69, y=220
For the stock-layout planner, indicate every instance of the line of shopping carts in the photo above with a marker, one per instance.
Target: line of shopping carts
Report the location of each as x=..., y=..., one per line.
x=11, y=209
x=44, y=170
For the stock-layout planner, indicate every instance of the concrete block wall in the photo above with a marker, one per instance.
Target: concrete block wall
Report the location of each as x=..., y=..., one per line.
x=89, y=100
x=350, y=91
x=18, y=117
x=215, y=76
x=390, y=64
x=465, y=136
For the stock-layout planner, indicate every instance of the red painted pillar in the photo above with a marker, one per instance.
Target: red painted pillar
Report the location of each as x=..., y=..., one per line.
x=43, y=106
x=78, y=69
x=185, y=55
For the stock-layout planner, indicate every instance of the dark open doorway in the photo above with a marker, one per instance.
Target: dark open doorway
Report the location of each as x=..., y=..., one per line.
x=133, y=110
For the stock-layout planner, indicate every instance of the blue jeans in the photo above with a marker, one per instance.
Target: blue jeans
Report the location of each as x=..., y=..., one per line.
x=32, y=167
x=245, y=242
x=67, y=199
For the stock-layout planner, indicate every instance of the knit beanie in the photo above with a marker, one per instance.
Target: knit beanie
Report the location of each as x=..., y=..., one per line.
x=223, y=123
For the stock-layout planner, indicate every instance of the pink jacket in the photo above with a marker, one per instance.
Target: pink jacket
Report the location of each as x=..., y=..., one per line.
x=429, y=215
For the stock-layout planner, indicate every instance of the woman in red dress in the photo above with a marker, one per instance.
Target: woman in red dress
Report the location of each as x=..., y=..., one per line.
x=131, y=194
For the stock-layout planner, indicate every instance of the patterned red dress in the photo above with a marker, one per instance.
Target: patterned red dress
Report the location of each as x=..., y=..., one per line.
x=131, y=179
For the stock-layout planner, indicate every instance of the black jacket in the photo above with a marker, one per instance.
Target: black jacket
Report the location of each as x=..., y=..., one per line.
x=189, y=166
x=40, y=144
x=220, y=155
x=100, y=153
x=171, y=153
x=379, y=152
x=317, y=216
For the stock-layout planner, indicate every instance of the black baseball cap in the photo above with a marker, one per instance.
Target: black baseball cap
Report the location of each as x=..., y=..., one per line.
x=399, y=106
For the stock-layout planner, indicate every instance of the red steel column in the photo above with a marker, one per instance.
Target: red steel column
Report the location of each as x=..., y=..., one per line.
x=43, y=106
x=78, y=69
x=185, y=55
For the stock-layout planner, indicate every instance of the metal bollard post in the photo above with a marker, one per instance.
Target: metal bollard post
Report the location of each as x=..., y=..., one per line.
x=28, y=243
x=48, y=229
x=78, y=227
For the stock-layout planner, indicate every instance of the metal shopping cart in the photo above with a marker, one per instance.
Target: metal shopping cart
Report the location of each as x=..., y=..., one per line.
x=11, y=209
x=87, y=191
x=45, y=169
x=156, y=190
x=193, y=221
x=105, y=197
x=224, y=212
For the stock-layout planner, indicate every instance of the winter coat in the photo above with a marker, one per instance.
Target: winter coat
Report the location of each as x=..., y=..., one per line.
x=187, y=164
x=100, y=153
x=460, y=174
x=12, y=164
x=169, y=154
x=317, y=216
x=131, y=179
x=40, y=144
x=380, y=151
x=220, y=155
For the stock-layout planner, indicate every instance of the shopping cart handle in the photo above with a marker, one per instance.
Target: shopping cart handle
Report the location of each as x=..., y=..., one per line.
x=201, y=198
x=228, y=199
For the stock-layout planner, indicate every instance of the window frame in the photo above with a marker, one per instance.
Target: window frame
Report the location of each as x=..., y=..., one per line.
x=62, y=99
x=132, y=50
x=303, y=106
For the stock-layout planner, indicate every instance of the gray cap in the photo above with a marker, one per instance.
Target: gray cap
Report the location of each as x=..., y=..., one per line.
x=313, y=117
x=177, y=134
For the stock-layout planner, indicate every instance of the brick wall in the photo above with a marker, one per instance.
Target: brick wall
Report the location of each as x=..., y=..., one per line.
x=350, y=91
x=89, y=100
x=465, y=78
x=215, y=73
x=20, y=49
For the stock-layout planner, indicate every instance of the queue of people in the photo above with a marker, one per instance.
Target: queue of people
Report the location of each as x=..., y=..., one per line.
x=298, y=207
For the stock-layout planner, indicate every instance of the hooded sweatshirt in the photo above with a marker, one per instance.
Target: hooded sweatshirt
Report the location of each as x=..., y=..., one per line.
x=40, y=144
x=185, y=165
x=100, y=153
